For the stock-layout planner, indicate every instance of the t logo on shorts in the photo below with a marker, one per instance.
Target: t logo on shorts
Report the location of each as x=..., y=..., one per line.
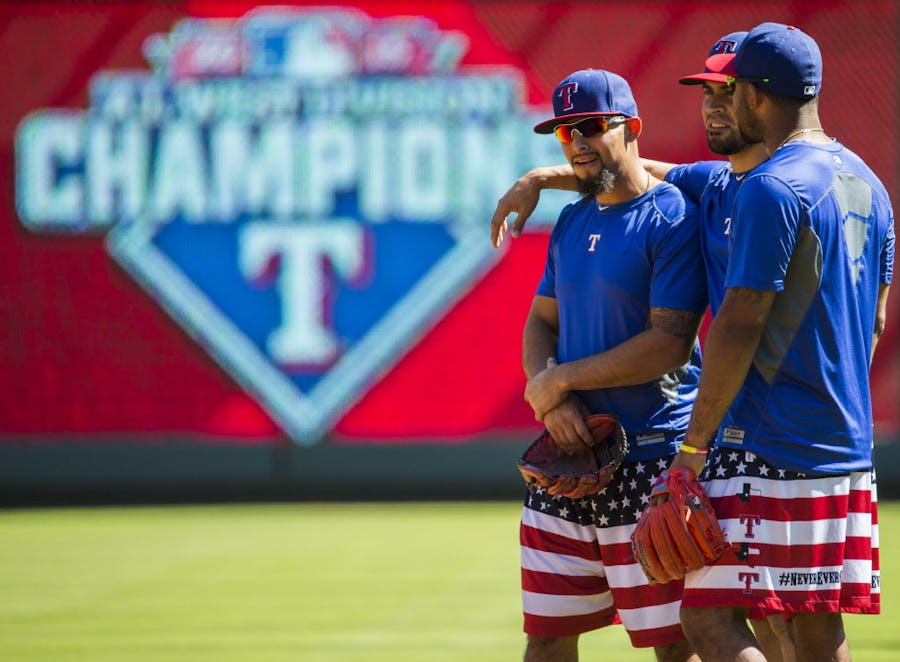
x=748, y=578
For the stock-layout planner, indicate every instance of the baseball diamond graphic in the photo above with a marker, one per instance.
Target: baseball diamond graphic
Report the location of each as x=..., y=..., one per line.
x=304, y=416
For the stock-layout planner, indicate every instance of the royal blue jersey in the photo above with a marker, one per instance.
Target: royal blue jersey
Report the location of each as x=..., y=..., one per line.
x=606, y=267
x=713, y=186
x=815, y=225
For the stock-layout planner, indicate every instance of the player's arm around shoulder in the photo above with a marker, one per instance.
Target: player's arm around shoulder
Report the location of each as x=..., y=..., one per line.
x=693, y=179
x=524, y=195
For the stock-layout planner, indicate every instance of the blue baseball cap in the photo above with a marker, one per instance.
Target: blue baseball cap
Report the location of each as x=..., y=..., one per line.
x=718, y=58
x=589, y=93
x=781, y=59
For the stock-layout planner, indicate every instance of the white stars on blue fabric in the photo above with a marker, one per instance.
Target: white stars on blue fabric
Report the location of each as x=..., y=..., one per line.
x=728, y=463
x=620, y=503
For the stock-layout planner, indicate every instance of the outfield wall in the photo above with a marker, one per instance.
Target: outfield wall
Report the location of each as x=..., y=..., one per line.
x=244, y=248
x=171, y=471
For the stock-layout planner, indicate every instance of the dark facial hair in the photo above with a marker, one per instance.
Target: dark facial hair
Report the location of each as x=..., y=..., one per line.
x=603, y=182
x=732, y=144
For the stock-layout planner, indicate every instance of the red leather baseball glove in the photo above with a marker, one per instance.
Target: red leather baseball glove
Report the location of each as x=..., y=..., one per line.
x=680, y=535
x=576, y=475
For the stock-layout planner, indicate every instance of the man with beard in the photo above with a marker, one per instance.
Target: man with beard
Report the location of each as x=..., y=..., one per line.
x=785, y=391
x=615, y=317
x=713, y=185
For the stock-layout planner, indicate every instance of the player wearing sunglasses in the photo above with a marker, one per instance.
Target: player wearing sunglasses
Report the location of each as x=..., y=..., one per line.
x=617, y=310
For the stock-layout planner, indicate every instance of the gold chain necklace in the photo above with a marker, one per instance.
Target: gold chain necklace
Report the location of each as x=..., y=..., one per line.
x=794, y=134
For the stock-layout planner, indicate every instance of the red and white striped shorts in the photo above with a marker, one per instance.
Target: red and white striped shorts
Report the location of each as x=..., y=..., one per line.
x=578, y=573
x=798, y=543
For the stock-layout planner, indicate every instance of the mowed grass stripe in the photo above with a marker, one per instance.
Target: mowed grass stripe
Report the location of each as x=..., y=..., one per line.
x=318, y=582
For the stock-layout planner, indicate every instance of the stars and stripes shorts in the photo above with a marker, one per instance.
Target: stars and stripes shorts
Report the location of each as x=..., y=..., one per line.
x=578, y=573
x=798, y=543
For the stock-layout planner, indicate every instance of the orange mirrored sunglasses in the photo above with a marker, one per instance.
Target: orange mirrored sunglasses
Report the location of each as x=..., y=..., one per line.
x=588, y=127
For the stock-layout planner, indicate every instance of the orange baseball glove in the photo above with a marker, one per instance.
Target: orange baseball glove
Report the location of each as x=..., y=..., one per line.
x=679, y=535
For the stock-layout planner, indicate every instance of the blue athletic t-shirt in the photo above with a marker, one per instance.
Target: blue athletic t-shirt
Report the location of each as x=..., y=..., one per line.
x=815, y=225
x=607, y=267
x=713, y=186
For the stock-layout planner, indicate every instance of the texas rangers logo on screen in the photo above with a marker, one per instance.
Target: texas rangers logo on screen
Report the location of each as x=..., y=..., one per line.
x=306, y=192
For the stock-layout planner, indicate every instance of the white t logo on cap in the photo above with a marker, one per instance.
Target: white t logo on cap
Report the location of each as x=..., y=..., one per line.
x=566, y=92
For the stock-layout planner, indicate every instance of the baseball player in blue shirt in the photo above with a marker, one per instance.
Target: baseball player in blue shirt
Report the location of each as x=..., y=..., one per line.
x=615, y=317
x=785, y=385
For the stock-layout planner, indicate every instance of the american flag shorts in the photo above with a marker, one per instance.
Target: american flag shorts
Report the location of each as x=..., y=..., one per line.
x=799, y=543
x=578, y=573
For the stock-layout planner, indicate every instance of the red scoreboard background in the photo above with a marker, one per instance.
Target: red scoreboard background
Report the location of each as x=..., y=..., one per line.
x=89, y=354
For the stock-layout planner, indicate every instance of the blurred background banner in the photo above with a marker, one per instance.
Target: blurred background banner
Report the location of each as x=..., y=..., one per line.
x=244, y=247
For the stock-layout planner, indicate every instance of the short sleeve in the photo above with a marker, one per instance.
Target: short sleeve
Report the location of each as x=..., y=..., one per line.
x=764, y=227
x=693, y=178
x=679, y=277
x=547, y=285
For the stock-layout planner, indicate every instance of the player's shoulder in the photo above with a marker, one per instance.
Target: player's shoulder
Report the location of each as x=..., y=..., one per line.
x=807, y=171
x=671, y=203
x=698, y=179
x=855, y=164
x=778, y=176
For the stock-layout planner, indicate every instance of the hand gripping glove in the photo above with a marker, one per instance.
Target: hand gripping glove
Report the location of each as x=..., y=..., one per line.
x=680, y=535
x=545, y=465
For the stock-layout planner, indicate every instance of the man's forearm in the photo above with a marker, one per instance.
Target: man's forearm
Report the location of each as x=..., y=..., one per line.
x=562, y=177
x=558, y=177
x=658, y=169
x=640, y=359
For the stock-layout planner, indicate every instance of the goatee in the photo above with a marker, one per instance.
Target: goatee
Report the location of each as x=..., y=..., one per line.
x=599, y=184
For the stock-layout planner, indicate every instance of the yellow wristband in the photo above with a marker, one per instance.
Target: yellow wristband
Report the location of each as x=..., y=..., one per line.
x=693, y=450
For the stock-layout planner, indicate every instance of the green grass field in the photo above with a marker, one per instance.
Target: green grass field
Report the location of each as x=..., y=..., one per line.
x=322, y=583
